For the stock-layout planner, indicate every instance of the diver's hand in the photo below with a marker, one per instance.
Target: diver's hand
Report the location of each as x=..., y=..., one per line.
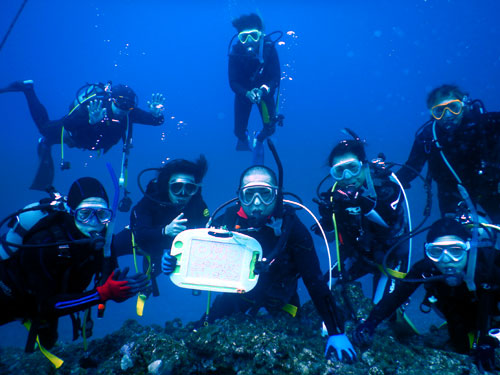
x=276, y=225
x=258, y=95
x=96, y=112
x=339, y=347
x=254, y=95
x=115, y=287
x=168, y=263
x=325, y=208
x=176, y=226
x=363, y=335
x=156, y=105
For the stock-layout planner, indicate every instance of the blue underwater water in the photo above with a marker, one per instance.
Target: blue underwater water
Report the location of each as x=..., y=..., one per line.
x=363, y=64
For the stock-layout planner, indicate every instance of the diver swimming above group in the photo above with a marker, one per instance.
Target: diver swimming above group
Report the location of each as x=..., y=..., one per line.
x=60, y=256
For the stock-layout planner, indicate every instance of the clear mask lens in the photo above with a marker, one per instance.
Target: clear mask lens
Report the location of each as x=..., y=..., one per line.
x=123, y=103
x=453, y=106
x=266, y=194
x=456, y=251
x=252, y=34
x=85, y=214
x=346, y=169
x=183, y=188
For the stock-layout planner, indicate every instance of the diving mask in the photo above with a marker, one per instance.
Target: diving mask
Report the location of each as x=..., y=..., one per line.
x=266, y=194
x=253, y=34
x=456, y=250
x=182, y=187
x=123, y=103
x=454, y=106
x=85, y=214
x=346, y=169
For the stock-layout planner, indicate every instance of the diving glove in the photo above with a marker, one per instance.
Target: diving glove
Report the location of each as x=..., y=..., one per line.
x=339, y=347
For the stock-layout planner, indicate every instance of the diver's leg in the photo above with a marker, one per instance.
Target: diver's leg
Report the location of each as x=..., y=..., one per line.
x=122, y=243
x=37, y=110
x=242, y=109
x=51, y=134
x=17, y=86
x=47, y=333
x=44, y=176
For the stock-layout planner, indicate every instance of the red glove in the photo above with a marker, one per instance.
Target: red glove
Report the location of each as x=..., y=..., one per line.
x=115, y=287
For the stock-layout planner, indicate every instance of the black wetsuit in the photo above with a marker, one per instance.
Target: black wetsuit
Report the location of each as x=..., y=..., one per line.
x=364, y=239
x=148, y=220
x=465, y=312
x=278, y=285
x=247, y=72
x=473, y=150
x=78, y=132
x=43, y=283
x=81, y=134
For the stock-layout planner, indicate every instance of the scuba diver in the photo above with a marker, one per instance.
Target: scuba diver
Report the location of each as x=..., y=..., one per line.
x=290, y=254
x=99, y=118
x=364, y=210
x=442, y=272
x=52, y=252
x=254, y=77
x=172, y=203
x=460, y=145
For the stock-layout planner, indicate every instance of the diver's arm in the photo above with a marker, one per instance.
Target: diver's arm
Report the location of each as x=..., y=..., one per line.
x=390, y=302
x=118, y=287
x=416, y=161
x=45, y=270
x=235, y=74
x=273, y=70
x=141, y=223
x=307, y=263
x=77, y=119
x=141, y=116
x=64, y=304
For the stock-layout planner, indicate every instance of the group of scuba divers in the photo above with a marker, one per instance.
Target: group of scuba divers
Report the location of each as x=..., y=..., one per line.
x=56, y=248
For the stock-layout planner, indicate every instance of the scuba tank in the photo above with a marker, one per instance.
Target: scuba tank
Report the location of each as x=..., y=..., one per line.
x=22, y=221
x=90, y=91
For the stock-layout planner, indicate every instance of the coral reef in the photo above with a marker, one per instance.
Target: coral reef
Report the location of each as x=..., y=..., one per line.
x=244, y=345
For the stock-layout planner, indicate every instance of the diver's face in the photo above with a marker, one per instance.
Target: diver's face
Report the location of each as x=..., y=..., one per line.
x=257, y=205
x=181, y=188
x=454, y=270
x=449, y=120
x=92, y=224
x=353, y=180
x=117, y=112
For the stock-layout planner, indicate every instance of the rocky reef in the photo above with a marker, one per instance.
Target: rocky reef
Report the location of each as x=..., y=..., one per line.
x=244, y=345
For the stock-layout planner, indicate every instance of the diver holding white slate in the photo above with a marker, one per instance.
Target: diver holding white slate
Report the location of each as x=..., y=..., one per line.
x=208, y=259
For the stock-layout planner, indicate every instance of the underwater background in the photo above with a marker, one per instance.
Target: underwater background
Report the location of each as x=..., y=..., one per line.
x=363, y=64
